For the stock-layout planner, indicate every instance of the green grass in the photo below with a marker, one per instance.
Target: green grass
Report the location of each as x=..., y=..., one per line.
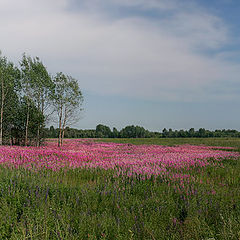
x=225, y=142
x=81, y=204
x=92, y=204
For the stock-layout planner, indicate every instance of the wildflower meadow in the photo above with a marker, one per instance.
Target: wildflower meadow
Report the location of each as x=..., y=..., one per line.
x=90, y=189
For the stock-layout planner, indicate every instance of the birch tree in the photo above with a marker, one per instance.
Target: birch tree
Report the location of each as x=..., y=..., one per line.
x=67, y=102
x=37, y=87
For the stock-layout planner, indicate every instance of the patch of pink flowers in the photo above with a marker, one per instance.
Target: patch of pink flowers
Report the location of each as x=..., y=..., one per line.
x=125, y=159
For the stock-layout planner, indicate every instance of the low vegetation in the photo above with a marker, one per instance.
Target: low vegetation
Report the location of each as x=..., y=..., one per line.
x=224, y=142
x=66, y=193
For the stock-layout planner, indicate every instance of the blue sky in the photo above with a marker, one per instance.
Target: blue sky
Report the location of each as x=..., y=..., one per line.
x=154, y=63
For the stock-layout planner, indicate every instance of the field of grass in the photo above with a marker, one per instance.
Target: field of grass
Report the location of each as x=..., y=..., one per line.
x=225, y=142
x=197, y=199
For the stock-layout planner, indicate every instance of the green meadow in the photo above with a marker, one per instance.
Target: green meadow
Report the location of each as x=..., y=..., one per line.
x=224, y=142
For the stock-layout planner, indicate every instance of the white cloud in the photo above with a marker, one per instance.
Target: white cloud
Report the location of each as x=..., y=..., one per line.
x=132, y=56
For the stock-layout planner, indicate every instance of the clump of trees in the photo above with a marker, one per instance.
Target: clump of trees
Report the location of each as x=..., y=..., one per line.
x=132, y=131
x=29, y=96
x=200, y=133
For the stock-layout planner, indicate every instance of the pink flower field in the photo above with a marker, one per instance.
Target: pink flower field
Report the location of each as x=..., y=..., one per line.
x=125, y=159
x=96, y=190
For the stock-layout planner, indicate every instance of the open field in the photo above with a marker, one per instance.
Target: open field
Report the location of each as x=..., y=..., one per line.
x=97, y=190
x=224, y=142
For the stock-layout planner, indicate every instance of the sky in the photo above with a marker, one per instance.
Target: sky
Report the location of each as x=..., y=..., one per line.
x=154, y=63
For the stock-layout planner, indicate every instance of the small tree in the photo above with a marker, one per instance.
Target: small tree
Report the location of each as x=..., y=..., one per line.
x=67, y=100
x=37, y=86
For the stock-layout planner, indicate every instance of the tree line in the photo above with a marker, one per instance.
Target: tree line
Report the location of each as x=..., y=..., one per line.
x=132, y=131
x=30, y=97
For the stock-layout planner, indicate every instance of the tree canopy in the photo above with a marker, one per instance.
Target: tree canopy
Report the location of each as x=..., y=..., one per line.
x=131, y=131
x=29, y=95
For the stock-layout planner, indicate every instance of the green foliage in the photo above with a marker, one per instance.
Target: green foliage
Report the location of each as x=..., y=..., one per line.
x=37, y=87
x=28, y=96
x=103, y=131
x=36, y=118
x=67, y=99
x=133, y=132
x=9, y=86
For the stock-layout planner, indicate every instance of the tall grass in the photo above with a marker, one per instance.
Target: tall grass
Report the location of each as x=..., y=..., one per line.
x=92, y=204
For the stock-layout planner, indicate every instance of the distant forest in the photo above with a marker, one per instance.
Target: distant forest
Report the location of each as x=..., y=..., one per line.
x=132, y=131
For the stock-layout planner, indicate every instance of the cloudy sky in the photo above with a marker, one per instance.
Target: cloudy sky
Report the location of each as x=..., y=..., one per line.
x=154, y=63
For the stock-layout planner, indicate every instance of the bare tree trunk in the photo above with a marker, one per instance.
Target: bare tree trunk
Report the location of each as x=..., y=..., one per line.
x=41, y=125
x=38, y=129
x=1, y=118
x=64, y=125
x=62, y=136
x=27, y=122
x=59, y=137
x=60, y=128
x=38, y=136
